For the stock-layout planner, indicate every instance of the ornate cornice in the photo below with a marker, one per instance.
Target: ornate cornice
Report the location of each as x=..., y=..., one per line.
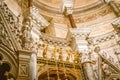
x=82, y=16
x=76, y=10
x=54, y=40
x=102, y=38
x=80, y=32
x=93, y=15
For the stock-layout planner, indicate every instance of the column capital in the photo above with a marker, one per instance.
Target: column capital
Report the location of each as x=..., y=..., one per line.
x=80, y=36
x=67, y=6
x=80, y=32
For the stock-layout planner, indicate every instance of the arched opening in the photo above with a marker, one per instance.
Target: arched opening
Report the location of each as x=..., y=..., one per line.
x=11, y=77
x=1, y=57
x=8, y=63
x=4, y=68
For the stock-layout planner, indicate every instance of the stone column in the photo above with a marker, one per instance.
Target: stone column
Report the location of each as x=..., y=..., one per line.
x=24, y=60
x=28, y=41
x=113, y=6
x=80, y=44
x=33, y=67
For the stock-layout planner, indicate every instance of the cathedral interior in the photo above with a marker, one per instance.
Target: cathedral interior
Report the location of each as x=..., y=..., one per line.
x=59, y=39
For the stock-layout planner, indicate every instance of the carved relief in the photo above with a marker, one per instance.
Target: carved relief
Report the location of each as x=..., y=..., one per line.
x=26, y=37
x=23, y=70
x=54, y=40
x=57, y=53
x=92, y=16
x=102, y=38
x=116, y=25
x=4, y=38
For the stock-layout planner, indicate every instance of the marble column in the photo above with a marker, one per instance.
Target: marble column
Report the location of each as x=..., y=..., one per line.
x=33, y=67
x=80, y=44
x=113, y=6
x=28, y=41
x=87, y=66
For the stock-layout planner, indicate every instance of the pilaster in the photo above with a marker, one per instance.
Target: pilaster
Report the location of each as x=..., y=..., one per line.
x=24, y=60
x=80, y=36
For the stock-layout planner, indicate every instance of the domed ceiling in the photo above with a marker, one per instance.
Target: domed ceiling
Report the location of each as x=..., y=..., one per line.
x=58, y=3
x=79, y=5
x=86, y=13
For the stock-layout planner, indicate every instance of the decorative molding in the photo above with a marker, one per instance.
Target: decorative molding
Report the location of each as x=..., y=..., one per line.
x=9, y=57
x=9, y=21
x=76, y=10
x=102, y=38
x=54, y=40
x=67, y=6
x=80, y=32
x=23, y=70
x=102, y=12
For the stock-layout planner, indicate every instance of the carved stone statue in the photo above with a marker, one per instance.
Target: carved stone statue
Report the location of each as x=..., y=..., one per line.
x=60, y=54
x=26, y=37
x=45, y=50
x=105, y=68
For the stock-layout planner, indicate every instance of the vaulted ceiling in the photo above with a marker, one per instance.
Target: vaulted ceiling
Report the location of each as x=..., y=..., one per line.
x=77, y=4
x=94, y=14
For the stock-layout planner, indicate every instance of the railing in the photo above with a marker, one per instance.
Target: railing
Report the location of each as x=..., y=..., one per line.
x=60, y=63
x=111, y=64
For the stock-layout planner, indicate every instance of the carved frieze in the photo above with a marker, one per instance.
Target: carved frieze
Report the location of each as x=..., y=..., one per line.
x=4, y=37
x=93, y=16
x=54, y=40
x=102, y=38
x=23, y=70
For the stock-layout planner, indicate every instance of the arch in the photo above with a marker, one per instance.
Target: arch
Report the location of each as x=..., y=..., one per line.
x=114, y=77
x=70, y=75
x=1, y=57
x=9, y=60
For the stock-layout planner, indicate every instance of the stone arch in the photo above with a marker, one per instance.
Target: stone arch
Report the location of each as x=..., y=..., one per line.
x=9, y=59
x=1, y=57
x=4, y=68
x=114, y=77
x=70, y=75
